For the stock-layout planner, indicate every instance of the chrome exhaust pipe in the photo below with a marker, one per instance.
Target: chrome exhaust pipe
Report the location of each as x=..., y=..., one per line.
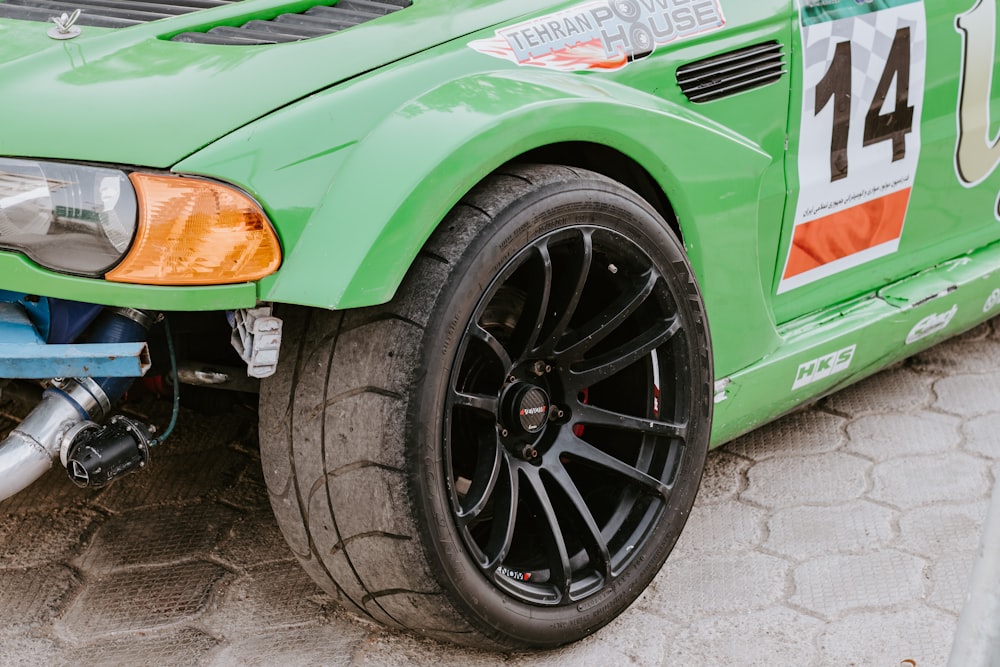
x=32, y=447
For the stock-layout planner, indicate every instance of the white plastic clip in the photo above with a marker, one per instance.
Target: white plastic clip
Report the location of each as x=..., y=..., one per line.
x=257, y=338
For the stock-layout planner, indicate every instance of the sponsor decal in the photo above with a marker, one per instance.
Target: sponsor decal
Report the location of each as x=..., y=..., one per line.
x=992, y=302
x=602, y=35
x=513, y=574
x=977, y=150
x=930, y=325
x=823, y=367
x=863, y=93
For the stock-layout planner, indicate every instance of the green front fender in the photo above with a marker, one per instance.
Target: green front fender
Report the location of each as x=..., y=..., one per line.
x=382, y=196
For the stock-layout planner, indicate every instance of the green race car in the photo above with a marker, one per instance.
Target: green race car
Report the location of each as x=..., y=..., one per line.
x=503, y=270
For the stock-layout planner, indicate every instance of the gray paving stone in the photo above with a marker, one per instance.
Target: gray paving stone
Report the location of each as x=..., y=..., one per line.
x=384, y=649
x=183, y=647
x=796, y=480
x=888, y=637
x=248, y=491
x=950, y=576
x=327, y=645
x=274, y=595
x=140, y=600
x=883, y=437
x=961, y=355
x=36, y=538
x=724, y=478
x=898, y=389
x=982, y=435
x=940, y=529
x=832, y=585
x=32, y=597
x=31, y=652
x=254, y=539
x=729, y=526
x=155, y=538
x=766, y=638
x=702, y=586
x=636, y=639
x=968, y=395
x=804, y=532
x=806, y=432
x=922, y=480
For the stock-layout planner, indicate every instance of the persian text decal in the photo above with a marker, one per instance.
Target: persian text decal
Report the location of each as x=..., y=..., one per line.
x=601, y=35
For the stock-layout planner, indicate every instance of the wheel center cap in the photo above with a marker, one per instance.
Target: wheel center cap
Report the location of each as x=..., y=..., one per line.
x=526, y=408
x=533, y=410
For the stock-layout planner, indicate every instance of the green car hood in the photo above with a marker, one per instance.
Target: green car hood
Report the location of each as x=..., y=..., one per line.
x=132, y=96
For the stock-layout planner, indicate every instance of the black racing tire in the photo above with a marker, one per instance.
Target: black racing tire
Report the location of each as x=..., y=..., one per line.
x=505, y=454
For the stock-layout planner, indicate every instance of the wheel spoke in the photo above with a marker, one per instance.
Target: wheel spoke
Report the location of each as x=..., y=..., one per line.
x=561, y=572
x=579, y=449
x=571, y=291
x=491, y=341
x=598, y=541
x=604, y=366
x=504, y=518
x=594, y=416
x=483, y=484
x=480, y=402
x=604, y=324
x=537, y=306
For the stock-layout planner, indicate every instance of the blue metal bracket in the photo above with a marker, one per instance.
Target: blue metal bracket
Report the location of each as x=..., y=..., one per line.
x=25, y=354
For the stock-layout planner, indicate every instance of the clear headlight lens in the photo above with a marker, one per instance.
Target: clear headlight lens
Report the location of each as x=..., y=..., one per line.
x=66, y=217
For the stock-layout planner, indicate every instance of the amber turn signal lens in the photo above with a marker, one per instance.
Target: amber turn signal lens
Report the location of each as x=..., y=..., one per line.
x=196, y=232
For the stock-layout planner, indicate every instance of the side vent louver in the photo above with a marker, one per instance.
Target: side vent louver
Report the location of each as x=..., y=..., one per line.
x=730, y=73
x=314, y=22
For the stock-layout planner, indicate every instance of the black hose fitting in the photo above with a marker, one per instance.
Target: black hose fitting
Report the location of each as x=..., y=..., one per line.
x=98, y=455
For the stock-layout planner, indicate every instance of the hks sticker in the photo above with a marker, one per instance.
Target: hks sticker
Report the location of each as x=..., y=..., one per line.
x=824, y=367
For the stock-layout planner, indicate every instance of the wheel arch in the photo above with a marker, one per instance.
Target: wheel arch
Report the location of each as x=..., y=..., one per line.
x=456, y=135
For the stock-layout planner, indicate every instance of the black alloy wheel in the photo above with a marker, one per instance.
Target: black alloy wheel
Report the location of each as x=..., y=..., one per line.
x=567, y=415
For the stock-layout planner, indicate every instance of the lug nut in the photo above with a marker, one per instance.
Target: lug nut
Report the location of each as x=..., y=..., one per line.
x=539, y=368
x=529, y=452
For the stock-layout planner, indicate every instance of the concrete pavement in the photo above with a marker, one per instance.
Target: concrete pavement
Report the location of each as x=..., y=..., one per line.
x=842, y=535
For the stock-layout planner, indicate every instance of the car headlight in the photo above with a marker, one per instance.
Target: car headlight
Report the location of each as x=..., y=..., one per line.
x=142, y=228
x=69, y=218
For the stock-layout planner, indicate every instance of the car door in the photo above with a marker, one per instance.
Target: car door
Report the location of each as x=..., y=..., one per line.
x=883, y=174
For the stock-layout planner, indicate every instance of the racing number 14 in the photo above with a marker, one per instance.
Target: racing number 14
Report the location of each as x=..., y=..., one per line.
x=892, y=126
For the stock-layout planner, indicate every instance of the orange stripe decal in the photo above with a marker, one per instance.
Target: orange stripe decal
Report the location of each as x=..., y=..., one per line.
x=842, y=234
